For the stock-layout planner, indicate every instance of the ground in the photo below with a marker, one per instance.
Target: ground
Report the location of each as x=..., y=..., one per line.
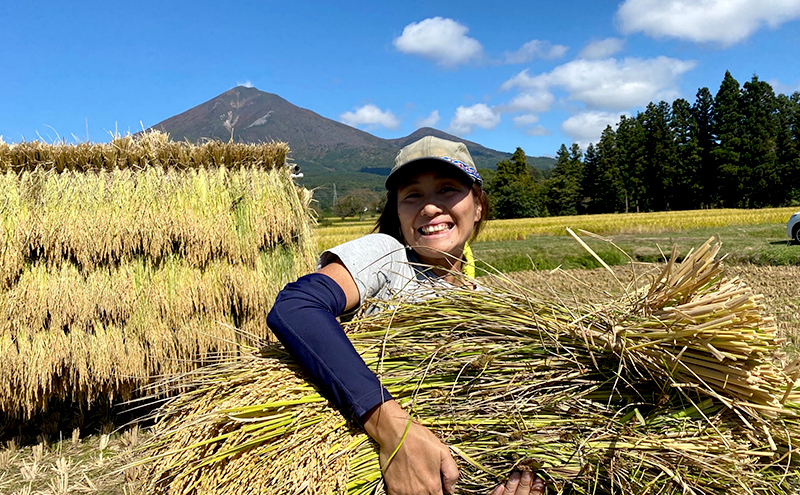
x=93, y=461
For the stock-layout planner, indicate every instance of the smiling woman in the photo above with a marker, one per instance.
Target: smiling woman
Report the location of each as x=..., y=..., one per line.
x=435, y=204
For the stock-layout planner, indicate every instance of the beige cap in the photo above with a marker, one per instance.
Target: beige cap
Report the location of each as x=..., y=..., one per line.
x=433, y=148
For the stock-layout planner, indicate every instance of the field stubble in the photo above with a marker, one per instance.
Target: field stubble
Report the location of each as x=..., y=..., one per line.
x=88, y=465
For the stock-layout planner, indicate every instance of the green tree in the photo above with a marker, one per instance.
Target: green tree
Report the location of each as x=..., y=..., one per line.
x=706, y=171
x=660, y=157
x=727, y=130
x=687, y=190
x=590, y=185
x=564, y=189
x=513, y=193
x=759, y=132
x=356, y=204
x=610, y=194
x=631, y=160
x=787, y=192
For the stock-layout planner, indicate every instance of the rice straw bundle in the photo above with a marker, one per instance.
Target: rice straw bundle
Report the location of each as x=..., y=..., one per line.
x=123, y=261
x=675, y=388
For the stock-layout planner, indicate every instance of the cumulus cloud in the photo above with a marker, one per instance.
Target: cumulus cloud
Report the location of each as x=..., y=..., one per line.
x=602, y=48
x=610, y=84
x=536, y=102
x=722, y=21
x=467, y=118
x=442, y=40
x=786, y=89
x=535, y=49
x=429, y=121
x=586, y=127
x=371, y=116
x=526, y=119
x=537, y=130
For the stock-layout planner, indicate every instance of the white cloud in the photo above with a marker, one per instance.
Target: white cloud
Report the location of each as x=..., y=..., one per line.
x=723, y=21
x=586, y=127
x=610, y=84
x=429, y=121
x=527, y=119
x=536, y=102
x=602, y=48
x=535, y=49
x=478, y=115
x=787, y=89
x=246, y=83
x=371, y=116
x=443, y=40
x=537, y=130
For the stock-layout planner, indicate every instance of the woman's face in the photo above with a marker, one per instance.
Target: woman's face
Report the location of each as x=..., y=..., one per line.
x=437, y=214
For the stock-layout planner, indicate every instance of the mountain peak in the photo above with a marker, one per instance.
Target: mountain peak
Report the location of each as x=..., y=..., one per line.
x=318, y=144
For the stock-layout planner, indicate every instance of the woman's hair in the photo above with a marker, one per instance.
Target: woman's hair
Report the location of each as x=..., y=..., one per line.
x=389, y=219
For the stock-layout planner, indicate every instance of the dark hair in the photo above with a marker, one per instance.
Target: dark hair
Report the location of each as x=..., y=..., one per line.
x=389, y=220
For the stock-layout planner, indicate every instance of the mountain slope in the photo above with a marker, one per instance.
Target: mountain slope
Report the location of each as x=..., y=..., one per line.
x=321, y=146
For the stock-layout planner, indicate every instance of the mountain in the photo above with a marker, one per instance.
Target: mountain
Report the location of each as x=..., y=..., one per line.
x=327, y=151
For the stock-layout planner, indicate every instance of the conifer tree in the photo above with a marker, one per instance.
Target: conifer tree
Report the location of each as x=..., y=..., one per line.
x=513, y=191
x=727, y=130
x=706, y=170
x=687, y=192
x=758, y=162
x=631, y=160
x=609, y=196
x=788, y=149
x=660, y=157
x=564, y=191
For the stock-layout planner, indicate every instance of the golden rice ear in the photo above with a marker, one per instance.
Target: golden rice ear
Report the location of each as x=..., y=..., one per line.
x=613, y=397
x=139, y=257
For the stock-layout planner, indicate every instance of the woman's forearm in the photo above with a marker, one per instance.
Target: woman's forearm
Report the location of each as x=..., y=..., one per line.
x=304, y=320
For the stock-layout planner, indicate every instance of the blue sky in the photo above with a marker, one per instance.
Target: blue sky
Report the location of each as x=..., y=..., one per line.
x=532, y=74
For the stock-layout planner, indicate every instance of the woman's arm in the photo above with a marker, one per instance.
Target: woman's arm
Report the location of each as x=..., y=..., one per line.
x=304, y=319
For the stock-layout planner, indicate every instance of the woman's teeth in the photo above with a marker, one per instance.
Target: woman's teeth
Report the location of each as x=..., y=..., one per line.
x=432, y=229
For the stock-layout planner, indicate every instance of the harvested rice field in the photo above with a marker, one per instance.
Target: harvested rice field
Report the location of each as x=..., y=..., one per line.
x=71, y=462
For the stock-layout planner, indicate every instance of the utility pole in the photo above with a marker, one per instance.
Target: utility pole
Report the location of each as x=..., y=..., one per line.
x=334, y=196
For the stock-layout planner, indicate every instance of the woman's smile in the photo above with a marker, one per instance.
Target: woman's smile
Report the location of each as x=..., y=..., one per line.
x=437, y=213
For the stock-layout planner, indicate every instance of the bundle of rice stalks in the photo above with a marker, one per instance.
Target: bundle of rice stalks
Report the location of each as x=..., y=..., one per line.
x=124, y=261
x=675, y=388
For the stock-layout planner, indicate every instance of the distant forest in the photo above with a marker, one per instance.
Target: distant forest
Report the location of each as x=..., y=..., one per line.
x=739, y=148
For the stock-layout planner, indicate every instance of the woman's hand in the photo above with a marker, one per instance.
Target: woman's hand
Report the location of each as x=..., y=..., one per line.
x=521, y=484
x=422, y=465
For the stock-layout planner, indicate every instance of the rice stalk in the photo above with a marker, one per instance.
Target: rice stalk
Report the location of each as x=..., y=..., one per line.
x=674, y=389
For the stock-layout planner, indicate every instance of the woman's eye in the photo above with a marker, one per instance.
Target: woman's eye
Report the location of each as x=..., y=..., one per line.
x=447, y=189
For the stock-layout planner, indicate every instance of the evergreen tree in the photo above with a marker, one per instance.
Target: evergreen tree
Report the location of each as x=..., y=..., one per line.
x=590, y=179
x=610, y=193
x=687, y=191
x=727, y=130
x=564, y=191
x=631, y=160
x=787, y=192
x=512, y=191
x=706, y=169
x=758, y=161
x=660, y=157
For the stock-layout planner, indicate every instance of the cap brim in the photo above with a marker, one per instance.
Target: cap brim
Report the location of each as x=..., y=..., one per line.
x=410, y=166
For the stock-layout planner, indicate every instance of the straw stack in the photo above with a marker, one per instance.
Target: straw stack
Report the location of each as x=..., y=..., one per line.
x=675, y=388
x=124, y=261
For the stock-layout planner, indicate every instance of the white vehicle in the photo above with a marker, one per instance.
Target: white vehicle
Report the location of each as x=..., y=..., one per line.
x=793, y=227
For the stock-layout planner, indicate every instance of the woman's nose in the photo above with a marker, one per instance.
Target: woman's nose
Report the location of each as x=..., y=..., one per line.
x=431, y=209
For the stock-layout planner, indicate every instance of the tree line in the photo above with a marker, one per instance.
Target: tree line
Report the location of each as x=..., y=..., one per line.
x=739, y=148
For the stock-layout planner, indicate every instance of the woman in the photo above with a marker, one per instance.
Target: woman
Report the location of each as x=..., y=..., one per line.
x=435, y=204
